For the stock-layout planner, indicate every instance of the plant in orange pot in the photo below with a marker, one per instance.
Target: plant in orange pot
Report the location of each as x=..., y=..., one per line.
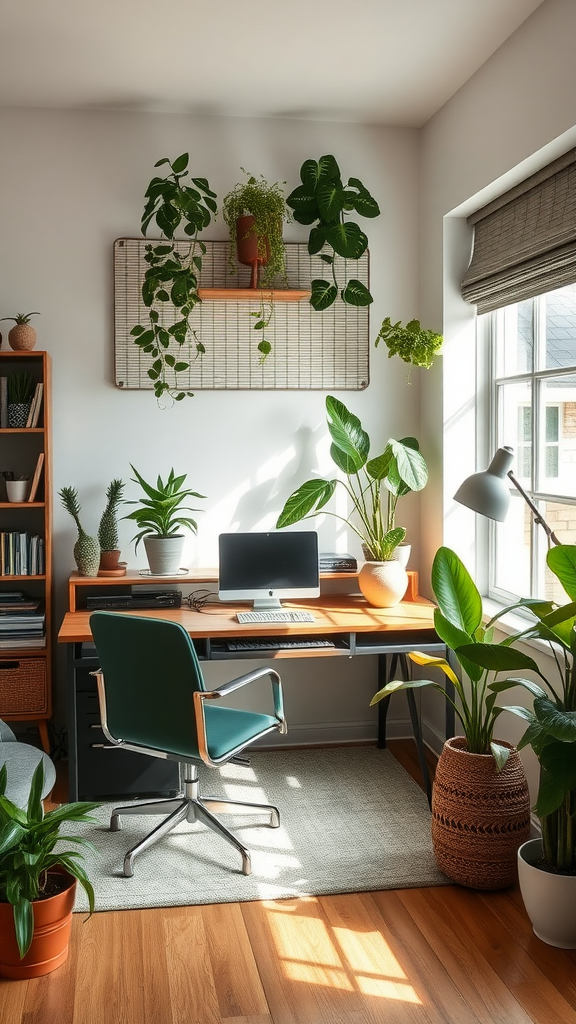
x=37, y=882
x=254, y=212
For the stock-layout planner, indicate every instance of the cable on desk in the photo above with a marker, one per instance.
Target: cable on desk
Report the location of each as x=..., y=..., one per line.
x=200, y=598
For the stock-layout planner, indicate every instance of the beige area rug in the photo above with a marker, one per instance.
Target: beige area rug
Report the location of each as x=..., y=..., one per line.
x=351, y=820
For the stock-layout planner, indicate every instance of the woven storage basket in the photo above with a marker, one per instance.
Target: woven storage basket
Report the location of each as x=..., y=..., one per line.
x=479, y=816
x=23, y=686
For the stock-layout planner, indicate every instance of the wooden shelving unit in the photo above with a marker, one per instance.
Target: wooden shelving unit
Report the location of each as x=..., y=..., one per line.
x=26, y=672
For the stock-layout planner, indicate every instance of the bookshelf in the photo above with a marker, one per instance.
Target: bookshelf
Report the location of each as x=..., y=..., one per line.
x=26, y=556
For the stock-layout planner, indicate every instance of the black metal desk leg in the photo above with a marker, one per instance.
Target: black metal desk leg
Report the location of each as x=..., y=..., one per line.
x=419, y=745
x=384, y=704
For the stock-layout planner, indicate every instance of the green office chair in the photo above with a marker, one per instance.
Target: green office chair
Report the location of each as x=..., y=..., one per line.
x=153, y=700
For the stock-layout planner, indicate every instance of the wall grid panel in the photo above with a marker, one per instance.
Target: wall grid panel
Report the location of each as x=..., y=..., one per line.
x=310, y=350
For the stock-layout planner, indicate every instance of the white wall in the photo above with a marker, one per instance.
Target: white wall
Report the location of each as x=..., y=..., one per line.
x=70, y=183
x=514, y=115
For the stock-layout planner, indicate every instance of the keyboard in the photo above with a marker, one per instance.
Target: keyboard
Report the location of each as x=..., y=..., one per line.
x=275, y=615
x=277, y=643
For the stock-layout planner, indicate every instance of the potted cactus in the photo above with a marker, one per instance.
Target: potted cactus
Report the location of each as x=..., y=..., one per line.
x=108, y=532
x=86, y=548
x=21, y=337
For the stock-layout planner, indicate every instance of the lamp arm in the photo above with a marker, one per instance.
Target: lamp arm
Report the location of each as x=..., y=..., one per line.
x=538, y=518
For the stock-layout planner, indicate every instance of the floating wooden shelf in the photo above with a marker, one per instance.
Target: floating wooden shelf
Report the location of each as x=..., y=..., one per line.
x=251, y=294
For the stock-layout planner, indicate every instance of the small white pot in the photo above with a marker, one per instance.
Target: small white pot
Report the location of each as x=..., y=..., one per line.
x=402, y=553
x=550, y=899
x=383, y=584
x=164, y=554
x=17, y=490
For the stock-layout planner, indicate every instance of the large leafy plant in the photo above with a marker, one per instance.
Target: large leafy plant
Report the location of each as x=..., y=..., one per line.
x=551, y=721
x=373, y=485
x=172, y=274
x=458, y=622
x=325, y=202
x=28, y=856
x=159, y=514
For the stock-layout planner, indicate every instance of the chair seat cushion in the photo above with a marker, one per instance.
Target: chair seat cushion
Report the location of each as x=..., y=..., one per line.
x=21, y=760
x=229, y=728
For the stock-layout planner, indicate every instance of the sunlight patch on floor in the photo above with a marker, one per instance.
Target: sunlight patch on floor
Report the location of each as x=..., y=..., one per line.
x=314, y=952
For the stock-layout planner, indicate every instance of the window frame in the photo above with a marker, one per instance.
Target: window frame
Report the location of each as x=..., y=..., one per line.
x=490, y=436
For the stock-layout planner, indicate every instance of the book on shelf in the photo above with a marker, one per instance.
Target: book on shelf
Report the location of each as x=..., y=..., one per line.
x=21, y=554
x=27, y=641
x=3, y=402
x=36, y=477
x=34, y=413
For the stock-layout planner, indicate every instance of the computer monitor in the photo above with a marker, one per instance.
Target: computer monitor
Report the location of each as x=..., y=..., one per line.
x=266, y=567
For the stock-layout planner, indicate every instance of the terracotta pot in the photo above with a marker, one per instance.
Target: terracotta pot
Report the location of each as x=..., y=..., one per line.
x=479, y=816
x=109, y=560
x=22, y=337
x=383, y=584
x=247, y=248
x=550, y=899
x=52, y=924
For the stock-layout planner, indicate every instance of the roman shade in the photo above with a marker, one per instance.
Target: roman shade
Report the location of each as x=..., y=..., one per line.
x=525, y=241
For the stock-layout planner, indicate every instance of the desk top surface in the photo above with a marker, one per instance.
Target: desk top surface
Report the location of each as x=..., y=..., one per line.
x=348, y=613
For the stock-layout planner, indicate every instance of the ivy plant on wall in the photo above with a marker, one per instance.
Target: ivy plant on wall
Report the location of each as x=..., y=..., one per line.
x=172, y=275
x=325, y=202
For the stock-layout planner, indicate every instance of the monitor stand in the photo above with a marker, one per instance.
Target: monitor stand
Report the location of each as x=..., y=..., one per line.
x=260, y=604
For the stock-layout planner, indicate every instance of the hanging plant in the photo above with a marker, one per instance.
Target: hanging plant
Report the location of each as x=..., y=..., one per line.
x=172, y=276
x=323, y=201
x=412, y=343
x=265, y=205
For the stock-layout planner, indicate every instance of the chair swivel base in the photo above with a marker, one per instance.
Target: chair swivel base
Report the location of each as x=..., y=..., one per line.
x=191, y=808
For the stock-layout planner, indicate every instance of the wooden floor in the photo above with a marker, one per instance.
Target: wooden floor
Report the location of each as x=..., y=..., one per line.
x=415, y=956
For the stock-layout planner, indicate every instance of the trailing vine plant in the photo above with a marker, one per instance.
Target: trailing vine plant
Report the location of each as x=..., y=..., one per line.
x=172, y=276
x=323, y=201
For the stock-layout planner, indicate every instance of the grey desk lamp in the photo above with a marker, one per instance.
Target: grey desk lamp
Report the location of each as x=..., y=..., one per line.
x=489, y=494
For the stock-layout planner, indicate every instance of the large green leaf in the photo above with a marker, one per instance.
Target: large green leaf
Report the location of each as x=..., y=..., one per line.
x=328, y=168
x=456, y=593
x=311, y=495
x=365, y=204
x=323, y=294
x=560, y=724
x=456, y=638
x=330, y=197
x=562, y=561
x=498, y=657
x=410, y=464
x=356, y=294
x=347, y=240
x=347, y=432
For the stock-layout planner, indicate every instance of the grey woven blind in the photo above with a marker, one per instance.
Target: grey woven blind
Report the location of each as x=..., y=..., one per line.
x=525, y=241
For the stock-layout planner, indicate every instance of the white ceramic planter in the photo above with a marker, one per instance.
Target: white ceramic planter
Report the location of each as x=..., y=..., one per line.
x=164, y=554
x=17, y=490
x=383, y=584
x=550, y=899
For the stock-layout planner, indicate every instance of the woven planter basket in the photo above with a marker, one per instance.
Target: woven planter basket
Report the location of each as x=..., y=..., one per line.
x=479, y=816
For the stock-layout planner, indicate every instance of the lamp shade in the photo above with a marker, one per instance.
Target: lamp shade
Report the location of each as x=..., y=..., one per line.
x=488, y=492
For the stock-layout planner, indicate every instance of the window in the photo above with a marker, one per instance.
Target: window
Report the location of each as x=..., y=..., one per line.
x=533, y=409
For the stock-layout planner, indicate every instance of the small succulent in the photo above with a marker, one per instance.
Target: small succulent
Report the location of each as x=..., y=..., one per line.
x=108, y=528
x=21, y=318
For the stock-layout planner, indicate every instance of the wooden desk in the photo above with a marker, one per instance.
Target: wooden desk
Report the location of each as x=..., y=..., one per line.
x=355, y=627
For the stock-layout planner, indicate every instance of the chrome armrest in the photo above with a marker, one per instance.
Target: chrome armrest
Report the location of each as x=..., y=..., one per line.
x=201, y=696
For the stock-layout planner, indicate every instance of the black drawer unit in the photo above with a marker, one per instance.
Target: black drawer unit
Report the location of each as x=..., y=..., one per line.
x=99, y=771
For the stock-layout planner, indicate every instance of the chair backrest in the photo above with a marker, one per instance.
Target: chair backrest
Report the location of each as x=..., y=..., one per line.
x=150, y=672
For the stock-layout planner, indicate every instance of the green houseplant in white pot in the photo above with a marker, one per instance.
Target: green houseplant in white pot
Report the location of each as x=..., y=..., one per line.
x=480, y=798
x=160, y=520
x=547, y=866
x=373, y=487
